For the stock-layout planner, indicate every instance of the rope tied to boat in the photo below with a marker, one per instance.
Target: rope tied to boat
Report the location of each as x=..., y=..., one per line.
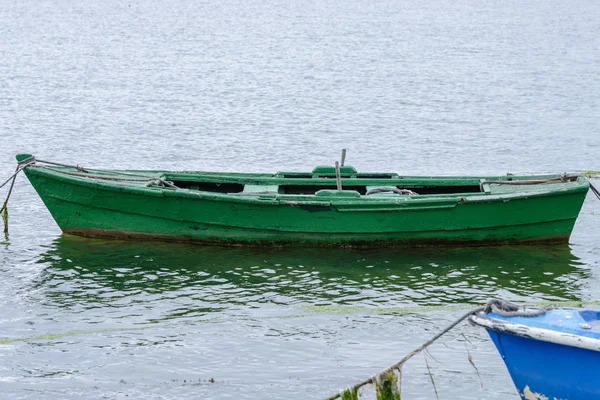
x=594, y=190
x=82, y=172
x=564, y=178
x=4, y=209
x=387, y=383
x=507, y=309
x=86, y=174
x=384, y=380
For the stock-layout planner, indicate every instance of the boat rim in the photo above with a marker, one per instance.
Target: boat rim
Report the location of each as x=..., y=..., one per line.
x=544, y=335
x=446, y=200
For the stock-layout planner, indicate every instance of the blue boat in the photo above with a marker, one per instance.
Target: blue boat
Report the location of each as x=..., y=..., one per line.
x=552, y=356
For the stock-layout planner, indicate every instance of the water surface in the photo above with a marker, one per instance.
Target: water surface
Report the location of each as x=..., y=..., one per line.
x=427, y=88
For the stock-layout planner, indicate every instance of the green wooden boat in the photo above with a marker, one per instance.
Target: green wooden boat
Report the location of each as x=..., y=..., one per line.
x=326, y=207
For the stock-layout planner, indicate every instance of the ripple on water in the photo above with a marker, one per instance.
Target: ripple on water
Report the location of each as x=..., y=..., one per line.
x=270, y=86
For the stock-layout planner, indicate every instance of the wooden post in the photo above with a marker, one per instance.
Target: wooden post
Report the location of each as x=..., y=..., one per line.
x=343, y=156
x=337, y=176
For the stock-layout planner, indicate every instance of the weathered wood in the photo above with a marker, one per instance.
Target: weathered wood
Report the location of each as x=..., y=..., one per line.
x=338, y=177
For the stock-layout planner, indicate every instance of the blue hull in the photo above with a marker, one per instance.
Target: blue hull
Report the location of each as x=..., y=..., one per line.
x=545, y=370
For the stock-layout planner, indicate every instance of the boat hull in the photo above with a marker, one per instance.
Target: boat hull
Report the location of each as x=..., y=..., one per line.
x=546, y=370
x=552, y=353
x=99, y=209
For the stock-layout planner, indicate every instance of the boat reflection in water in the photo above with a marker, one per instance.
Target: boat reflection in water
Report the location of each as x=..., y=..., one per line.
x=95, y=273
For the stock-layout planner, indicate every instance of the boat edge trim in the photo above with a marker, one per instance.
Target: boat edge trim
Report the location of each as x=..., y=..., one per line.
x=545, y=335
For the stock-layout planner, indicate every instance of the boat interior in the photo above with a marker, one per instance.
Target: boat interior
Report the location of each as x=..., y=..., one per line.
x=337, y=181
x=325, y=179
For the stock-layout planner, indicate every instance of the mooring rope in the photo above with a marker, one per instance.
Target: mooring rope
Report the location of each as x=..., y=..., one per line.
x=4, y=209
x=102, y=177
x=507, y=309
x=594, y=190
x=563, y=178
x=398, y=366
x=10, y=177
x=388, y=377
x=85, y=173
x=532, y=181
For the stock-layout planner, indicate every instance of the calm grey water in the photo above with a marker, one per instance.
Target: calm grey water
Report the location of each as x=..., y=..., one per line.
x=414, y=87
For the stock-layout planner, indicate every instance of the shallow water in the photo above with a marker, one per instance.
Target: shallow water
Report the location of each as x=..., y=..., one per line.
x=424, y=88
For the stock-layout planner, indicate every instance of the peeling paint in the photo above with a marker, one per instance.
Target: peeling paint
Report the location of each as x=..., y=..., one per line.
x=545, y=335
x=528, y=394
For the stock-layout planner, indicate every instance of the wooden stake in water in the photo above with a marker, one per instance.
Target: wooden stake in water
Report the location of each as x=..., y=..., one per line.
x=4, y=209
x=343, y=156
x=5, y=218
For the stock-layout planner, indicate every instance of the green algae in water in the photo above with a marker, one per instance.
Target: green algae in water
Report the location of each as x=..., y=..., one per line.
x=386, y=386
x=357, y=310
x=591, y=174
x=54, y=336
x=349, y=310
x=349, y=394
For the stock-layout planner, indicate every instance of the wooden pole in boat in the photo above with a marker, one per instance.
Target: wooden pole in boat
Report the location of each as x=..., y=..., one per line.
x=337, y=176
x=343, y=156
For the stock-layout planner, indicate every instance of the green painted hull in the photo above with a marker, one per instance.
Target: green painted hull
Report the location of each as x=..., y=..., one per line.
x=87, y=206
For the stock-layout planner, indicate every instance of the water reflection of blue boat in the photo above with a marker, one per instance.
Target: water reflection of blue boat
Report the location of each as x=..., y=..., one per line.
x=555, y=355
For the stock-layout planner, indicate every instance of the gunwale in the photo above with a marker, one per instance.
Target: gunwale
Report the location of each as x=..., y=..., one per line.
x=495, y=193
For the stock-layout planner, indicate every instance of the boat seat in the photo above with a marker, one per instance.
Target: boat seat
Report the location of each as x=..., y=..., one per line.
x=260, y=189
x=327, y=171
x=263, y=191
